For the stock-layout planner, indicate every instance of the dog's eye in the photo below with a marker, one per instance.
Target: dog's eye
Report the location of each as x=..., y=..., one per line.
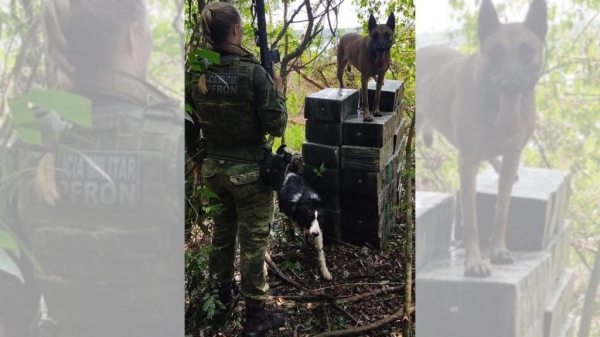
x=375, y=36
x=386, y=36
x=525, y=52
x=496, y=52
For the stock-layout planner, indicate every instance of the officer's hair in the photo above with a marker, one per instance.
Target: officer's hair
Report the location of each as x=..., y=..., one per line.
x=218, y=18
x=83, y=35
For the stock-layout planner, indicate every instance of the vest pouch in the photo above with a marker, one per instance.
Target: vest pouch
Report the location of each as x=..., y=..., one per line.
x=244, y=175
x=274, y=167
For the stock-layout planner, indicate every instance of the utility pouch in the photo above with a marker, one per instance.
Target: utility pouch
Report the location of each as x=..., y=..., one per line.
x=273, y=167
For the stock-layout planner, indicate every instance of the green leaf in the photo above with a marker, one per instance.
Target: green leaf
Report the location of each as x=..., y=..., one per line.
x=71, y=107
x=209, y=55
x=188, y=117
x=207, y=193
x=8, y=243
x=8, y=265
x=23, y=118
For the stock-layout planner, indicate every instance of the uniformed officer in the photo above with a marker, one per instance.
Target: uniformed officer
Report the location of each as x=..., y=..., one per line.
x=103, y=208
x=237, y=104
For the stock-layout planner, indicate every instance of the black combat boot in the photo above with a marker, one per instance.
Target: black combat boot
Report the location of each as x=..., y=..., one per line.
x=259, y=321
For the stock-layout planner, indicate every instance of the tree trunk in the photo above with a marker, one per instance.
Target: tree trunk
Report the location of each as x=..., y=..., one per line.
x=410, y=225
x=286, y=47
x=590, y=298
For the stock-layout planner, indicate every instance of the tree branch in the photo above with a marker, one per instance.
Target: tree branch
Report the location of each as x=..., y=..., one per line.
x=366, y=328
x=308, y=79
x=590, y=298
x=286, y=25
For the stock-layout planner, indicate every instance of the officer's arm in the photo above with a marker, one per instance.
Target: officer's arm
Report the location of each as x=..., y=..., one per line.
x=270, y=103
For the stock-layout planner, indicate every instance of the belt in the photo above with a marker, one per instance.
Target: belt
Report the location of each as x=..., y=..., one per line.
x=238, y=153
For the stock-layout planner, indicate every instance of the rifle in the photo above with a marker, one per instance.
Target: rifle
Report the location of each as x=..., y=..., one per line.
x=267, y=57
x=273, y=166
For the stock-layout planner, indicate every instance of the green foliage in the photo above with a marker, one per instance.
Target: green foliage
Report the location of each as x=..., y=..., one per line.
x=202, y=301
x=9, y=243
x=339, y=323
x=319, y=171
x=294, y=137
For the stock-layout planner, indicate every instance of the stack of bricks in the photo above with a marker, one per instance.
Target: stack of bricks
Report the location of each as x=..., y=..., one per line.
x=532, y=296
x=360, y=160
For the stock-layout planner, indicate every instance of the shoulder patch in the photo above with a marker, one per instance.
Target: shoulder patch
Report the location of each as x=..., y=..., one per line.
x=83, y=184
x=222, y=84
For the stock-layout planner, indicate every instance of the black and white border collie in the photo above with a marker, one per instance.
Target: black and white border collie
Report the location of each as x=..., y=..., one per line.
x=303, y=206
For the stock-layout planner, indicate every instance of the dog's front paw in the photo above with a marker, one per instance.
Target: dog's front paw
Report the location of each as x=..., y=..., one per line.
x=477, y=268
x=377, y=113
x=368, y=118
x=502, y=256
x=327, y=275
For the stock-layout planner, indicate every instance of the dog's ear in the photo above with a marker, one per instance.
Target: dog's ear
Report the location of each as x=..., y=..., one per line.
x=372, y=22
x=537, y=18
x=391, y=22
x=488, y=20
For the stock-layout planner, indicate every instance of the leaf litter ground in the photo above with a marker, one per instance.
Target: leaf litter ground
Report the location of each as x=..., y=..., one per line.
x=355, y=270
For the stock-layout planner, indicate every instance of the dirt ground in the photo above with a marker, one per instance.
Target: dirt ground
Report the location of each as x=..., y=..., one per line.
x=355, y=270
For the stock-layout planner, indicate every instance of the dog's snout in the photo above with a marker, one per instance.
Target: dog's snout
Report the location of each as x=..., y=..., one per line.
x=509, y=86
x=382, y=48
x=315, y=234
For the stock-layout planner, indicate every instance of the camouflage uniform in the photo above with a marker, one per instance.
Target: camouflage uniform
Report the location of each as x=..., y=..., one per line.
x=111, y=253
x=235, y=117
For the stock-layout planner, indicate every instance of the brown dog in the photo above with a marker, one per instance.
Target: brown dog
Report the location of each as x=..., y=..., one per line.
x=370, y=55
x=484, y=104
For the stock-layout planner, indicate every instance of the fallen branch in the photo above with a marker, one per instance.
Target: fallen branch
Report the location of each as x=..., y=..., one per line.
x=351, y=299
x=338, y=307
x=370, y=294
x=303, y=298
x=282, y=275
x=316, y=296
x=365, y=328
x=355, y=285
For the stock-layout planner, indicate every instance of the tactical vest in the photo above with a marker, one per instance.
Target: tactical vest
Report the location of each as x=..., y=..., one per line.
x=111, y=251
x=226, y=112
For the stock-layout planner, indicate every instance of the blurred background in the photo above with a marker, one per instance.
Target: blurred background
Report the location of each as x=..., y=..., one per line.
x=567, y=134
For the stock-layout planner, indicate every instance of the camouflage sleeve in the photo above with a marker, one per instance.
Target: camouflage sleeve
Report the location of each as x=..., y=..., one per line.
x=270, y=103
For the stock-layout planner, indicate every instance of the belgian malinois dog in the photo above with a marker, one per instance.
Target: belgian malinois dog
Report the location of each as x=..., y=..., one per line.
x=484, y=104
x=370, y=55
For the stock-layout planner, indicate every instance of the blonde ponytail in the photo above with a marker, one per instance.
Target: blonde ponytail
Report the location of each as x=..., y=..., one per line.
x=218, y=18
